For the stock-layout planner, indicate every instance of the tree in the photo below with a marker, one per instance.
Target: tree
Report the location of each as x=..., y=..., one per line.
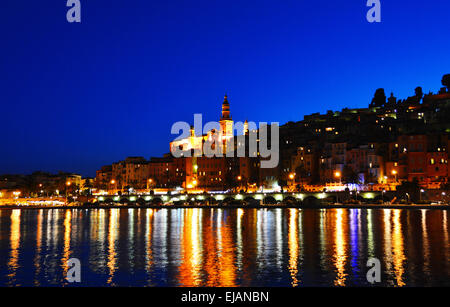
x=446, y=81
x=87, y=188
x=379, y=99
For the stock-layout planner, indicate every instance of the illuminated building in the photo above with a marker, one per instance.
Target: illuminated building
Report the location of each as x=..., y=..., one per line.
x=195, y=142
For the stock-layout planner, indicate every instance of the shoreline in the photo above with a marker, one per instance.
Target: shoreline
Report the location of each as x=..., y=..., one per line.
x=287, y=206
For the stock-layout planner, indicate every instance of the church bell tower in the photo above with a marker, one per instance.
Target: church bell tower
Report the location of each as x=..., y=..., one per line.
x=226, y=122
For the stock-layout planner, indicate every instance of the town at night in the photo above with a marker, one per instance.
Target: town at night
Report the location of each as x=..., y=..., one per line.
x=225, y=152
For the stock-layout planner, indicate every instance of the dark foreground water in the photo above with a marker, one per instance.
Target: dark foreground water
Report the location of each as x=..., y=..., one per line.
x=224, y=247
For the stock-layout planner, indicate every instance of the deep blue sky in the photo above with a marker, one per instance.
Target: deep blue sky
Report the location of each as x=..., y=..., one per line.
x=77, y=96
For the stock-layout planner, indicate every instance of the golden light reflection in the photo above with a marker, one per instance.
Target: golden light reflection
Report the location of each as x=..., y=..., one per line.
x=112, y=241
x=293, y=246
x=387, y=238
x=210, y=254
x=226, y=257
x=15, y=242
x=340, y=256
x=398, y=250
x=148, y=239
x=67, y=231
x=191, y=249
x=228, y=247
x=219, y=252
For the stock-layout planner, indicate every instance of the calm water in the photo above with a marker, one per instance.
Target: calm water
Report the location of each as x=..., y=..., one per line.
x=224, y=247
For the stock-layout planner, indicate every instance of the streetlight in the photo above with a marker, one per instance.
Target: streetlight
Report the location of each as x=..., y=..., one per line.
x=149, y=183
x=68, y=184
x=394, y=172
x=239, y=178
x=382, y=195
x=338, y=174
x=112, y=182
x=421, y=191
x=292, y=177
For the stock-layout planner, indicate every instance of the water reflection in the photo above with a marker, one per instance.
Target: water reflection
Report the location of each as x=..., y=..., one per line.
x=340, y=255
x=37, y=258
x=112, y=243
x=192, y=251
x=398, y=248
x=67, y=233
x=13, y=263
x=224, y=247
x=293, y=246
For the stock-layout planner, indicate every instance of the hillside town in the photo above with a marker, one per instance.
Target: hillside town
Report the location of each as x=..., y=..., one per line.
x=391, y=144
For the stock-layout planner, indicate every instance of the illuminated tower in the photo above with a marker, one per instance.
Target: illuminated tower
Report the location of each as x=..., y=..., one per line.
x=226, y=122
x=225, y=109
x=246, y=127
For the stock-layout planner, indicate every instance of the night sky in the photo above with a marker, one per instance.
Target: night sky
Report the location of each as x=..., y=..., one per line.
x=75, y=97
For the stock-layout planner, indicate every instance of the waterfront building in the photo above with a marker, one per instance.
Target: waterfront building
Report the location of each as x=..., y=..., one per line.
x=383, y=145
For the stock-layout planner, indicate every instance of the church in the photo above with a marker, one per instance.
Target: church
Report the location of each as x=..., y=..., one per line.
x=195, y=142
